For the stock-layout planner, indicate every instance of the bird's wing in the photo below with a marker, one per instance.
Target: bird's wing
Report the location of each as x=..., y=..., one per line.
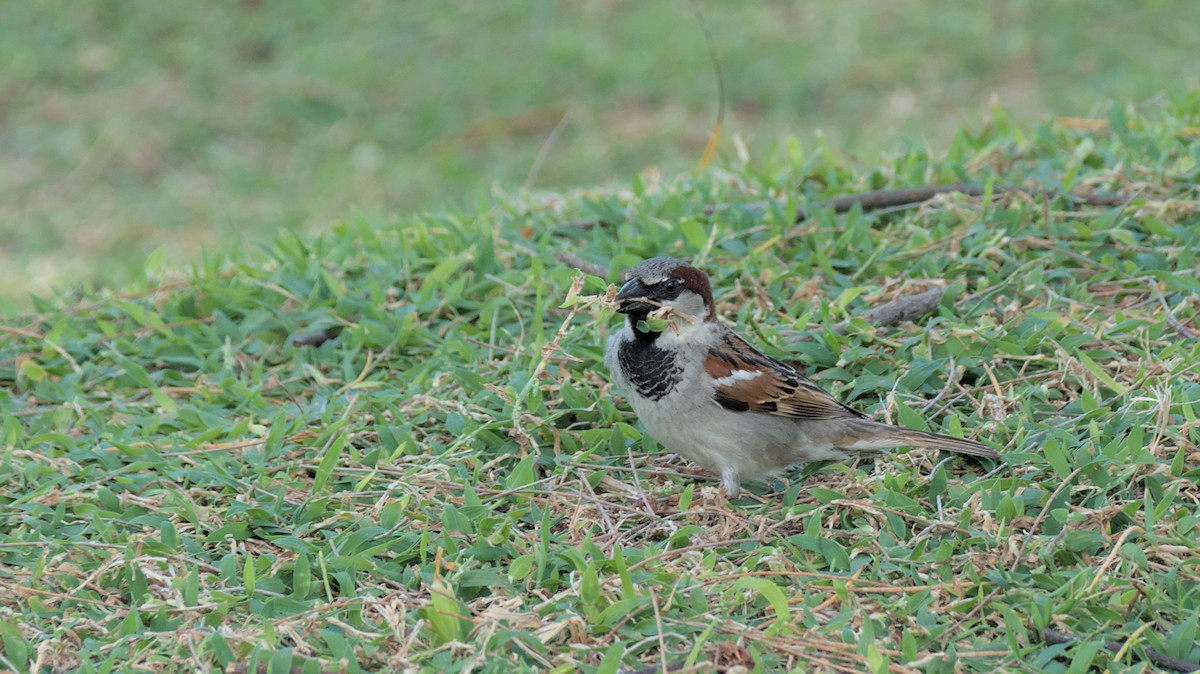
x=749, y=380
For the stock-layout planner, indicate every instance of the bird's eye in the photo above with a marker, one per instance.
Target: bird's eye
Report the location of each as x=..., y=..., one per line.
x=671, y=287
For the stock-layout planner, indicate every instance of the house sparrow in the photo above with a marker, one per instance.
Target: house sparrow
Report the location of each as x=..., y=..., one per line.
x=707, y=394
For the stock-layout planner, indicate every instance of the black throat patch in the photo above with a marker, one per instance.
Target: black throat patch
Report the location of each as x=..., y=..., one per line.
x=653, y=371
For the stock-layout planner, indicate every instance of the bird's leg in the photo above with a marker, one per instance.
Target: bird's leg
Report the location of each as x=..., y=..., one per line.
x=731, y=484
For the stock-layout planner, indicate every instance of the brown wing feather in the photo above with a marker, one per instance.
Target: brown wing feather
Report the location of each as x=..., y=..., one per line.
x=751, y=381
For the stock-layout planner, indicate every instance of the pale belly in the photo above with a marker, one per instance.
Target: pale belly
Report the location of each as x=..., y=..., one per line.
x=727, y=442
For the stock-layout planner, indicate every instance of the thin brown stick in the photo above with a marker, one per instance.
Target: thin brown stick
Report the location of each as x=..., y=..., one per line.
x=676, y=666
x=675, y=552
x=892, y=198
x=899, y=310
x=1171, y=320
x=662, y=641
x=573, y=260
x=912, y=196
x=1037, y=522
x=315, y=338
x=262, y=668
x=1054, y=637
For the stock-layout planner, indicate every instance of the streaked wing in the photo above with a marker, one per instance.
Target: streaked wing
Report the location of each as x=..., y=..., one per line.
x=749, y=380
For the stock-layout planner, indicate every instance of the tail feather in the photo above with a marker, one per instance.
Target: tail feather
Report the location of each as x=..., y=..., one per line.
x=874, y=436
x=956, y=445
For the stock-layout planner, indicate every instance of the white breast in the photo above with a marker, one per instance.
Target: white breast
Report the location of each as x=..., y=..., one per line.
x=689, y=422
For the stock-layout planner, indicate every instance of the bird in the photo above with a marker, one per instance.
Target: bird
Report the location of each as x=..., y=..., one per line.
x=705, y=393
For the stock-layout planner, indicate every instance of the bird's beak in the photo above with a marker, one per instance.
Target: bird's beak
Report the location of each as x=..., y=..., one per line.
x=632, y=296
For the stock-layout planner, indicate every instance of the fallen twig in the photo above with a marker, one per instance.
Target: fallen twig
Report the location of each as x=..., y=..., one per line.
x=899, y=310
x=879, y=199
x=315, y=338
x=262, y=668
x=676, y=666
x=1159, y=658
x=903, y=308
x=1171, y=320
x=573, y=260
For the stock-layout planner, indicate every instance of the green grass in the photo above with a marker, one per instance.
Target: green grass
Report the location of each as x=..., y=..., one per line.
x=137, y=126
x=449, y=483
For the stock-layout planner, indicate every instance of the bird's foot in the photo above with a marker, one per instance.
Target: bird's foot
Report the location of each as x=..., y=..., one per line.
x=731, y=484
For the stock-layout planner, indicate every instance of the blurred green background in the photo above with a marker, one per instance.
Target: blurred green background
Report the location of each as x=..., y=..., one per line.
x=128, y=127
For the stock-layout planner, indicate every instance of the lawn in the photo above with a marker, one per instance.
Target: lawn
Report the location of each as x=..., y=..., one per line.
x=161, y=129
x=392, y=445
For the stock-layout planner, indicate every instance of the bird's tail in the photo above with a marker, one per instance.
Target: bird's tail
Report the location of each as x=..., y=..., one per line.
x=873, y=436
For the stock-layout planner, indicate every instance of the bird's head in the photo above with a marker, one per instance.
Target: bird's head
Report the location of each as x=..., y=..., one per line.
x=665, y=282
